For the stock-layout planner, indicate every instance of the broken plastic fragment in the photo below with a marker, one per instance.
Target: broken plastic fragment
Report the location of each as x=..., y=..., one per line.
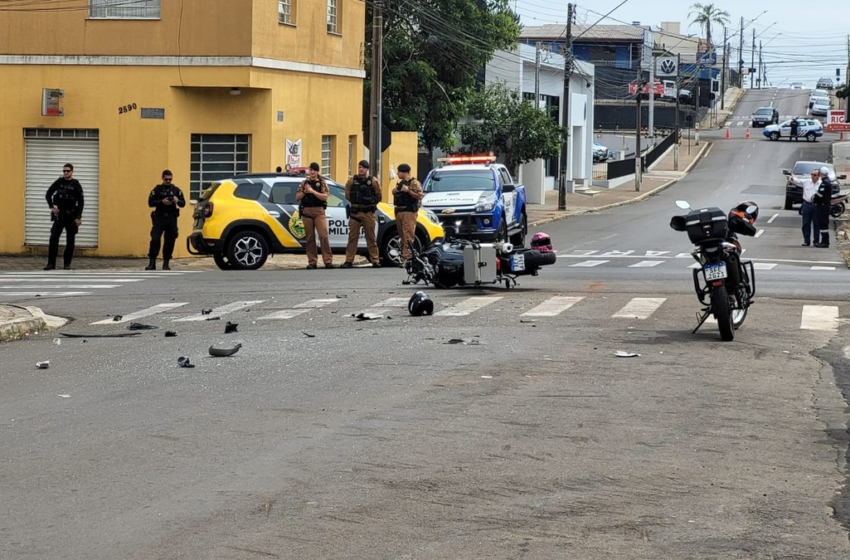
x=206, y=311
x=308, y=335
x=230, y=327
x=182, y=361
x=169, y=334
x=43, y=365
x=117, y=318
x=140, y=327
x=224, y=352
x=621, y=354
x=57, y=341
x=367, y=316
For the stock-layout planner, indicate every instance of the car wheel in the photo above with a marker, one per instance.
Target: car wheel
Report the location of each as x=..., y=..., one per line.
x=810, y=137
x=788, y=203
x=391, y=241
x=221, y=261
x=774, y=135
x=247, y=250
x=518, y=239
x=502, y=233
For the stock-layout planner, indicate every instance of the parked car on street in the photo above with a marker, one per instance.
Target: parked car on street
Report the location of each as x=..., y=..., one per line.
x=821, y=106
x=764, y=116
x=801, y=172
x=240, y=221
x=810, y=129
x=601, y=153
x=825, y=83
x=816, y=94
x=796, y=85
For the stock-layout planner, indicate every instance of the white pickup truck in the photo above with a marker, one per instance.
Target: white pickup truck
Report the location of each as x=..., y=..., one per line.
x=671, y=92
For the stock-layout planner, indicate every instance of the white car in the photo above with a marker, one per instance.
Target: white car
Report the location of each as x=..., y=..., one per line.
x=810, y=129
x=817, y=94
x=821, y=106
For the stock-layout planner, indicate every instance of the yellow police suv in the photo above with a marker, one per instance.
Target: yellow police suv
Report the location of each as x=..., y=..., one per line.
x=240, y=221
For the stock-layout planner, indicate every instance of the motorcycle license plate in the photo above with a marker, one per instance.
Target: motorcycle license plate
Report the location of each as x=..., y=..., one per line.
x=518, y=262
x=715, y=271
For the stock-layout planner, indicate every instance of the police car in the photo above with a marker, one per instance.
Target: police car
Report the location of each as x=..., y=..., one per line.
x=477, y=198
x=240, y=221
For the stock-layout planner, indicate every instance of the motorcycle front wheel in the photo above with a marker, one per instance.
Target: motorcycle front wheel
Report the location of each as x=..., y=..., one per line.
x=722, y=311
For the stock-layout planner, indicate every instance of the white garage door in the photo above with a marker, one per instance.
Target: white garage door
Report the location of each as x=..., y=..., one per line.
x=47, y=150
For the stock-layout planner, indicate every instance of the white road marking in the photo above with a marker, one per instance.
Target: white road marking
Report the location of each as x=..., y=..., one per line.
x=656, y=253
x=553, y=306
x=142, y=313
x=759, y=232
x=820, y=318
x=617, y=253
x=589, y=263
x=639, y=308
x=393, y=302
x=68, y=279
x=219, y=311
x=695, y=265
x=823, y=268
x=645, y=264
x=684, y=256
x=585, y=252
x=764, y=266
x=69, y=286
x=770, y=221
x=467, y=306
x=45, y=294
x=300, y=309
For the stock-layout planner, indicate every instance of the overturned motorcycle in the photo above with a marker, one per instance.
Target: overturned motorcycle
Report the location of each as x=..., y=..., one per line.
x=724, y=284
x=461, y=262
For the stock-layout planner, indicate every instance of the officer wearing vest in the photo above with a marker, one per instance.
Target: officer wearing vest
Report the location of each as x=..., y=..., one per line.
x=312, y=196
x=65, y=199
x=166, y=199
x=406, y=197
x=364, y=194
x=823, y=202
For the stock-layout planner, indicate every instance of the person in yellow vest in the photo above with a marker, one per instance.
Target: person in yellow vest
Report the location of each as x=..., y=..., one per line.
x=312, y=196
x=406, y=197
x=364, y=193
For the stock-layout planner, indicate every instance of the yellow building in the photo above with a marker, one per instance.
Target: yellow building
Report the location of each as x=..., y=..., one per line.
x=206, y=88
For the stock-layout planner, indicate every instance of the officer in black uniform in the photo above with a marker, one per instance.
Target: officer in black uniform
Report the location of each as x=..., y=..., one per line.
x=364, y=193
x=823, y=203
x=166, y=199
x=65, y=199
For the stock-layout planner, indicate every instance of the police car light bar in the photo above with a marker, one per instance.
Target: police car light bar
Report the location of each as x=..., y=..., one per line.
x=468, y=159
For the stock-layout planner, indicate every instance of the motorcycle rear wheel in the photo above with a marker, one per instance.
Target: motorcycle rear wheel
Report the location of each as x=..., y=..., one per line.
x=722, y=312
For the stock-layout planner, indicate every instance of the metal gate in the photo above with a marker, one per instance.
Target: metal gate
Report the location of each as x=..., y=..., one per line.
x=47, y=150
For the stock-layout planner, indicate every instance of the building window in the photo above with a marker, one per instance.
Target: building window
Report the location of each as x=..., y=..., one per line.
x=216, y=157
x=285, y=12
x=352, y=154
x=124, y=9
x=333, y=16
x=327, y=155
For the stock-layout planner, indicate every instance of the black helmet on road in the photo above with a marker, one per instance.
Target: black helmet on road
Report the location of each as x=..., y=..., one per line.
x=420, y=304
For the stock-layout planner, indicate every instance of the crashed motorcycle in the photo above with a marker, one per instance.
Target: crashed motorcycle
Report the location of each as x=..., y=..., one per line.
x=724, y=284
x=838, y=203
x=463, y=262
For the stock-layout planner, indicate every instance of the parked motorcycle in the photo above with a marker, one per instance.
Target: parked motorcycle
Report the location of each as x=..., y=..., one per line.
x=724, y=284
x=838, y=203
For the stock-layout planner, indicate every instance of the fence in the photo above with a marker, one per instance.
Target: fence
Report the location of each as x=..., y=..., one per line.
x=625, y=167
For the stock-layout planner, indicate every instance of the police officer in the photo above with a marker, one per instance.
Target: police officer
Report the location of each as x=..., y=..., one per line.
x=166, y=199
x=312, y=195
x=406, y=197
x=65, y=199
x=795, y=127
x=823, y=201
x=364, y=194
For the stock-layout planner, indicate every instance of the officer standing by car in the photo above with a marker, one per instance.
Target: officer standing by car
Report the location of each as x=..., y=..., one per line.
x=65, y=199
x=795, y=128
x=823, y=202
x=166, y=199
x=312, y=196
x=406, y=197
x=364, y=193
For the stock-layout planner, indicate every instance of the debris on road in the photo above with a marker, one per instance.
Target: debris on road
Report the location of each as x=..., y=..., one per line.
x=117, y=335
x=57, y=341
x=117, y=318
x=224, y=352
x=206, y=311
x=366, y=316
x=230, y=327
x=463, y=341
x=183, y=361
x=140, y=327
x=213, y=318
x=169, y=334
x=43, y=365
x=308, y=335
x=622, y=354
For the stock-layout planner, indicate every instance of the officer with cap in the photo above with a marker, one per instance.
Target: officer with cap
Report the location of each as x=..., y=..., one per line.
x=65, y=199
x=312, y=195
x=166, y=199
x=823, y=202
x=406, y=196
x=364, y=193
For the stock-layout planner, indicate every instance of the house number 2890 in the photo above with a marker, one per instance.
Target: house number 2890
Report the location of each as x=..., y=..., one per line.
x=126, y=108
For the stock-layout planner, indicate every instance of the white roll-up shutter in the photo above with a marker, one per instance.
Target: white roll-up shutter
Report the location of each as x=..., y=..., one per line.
x=47, y=150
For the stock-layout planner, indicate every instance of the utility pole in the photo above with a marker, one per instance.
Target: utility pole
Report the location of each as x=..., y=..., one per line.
x=723, y=69
x=678, y=89
x=847, y=83
x=537, y=75
x=741, y=56
x=761, y=77
x=753, y=58
x=651, y=116
x=565, y=115
x=639, y=91
x=375, y=108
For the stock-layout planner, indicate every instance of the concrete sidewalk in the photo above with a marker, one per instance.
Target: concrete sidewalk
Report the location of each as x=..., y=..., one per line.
x=18, y=321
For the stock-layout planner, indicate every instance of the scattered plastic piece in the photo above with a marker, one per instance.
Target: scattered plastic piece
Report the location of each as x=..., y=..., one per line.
x=224, y=352
x=213, y=318
x=462, y=341
x=367, y=316
x=65, y=396
x=486, y=377
x=169, y=334
x=206, y=311
x=230, y=327
x=308, y=335
x=43, y=365
x=57, y=341
x=621, y=354
x=117, y=335
x=140, y=327
x=182, y=361
x=117, y=318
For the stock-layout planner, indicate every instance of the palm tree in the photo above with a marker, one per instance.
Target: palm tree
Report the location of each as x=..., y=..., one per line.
x=706, y=14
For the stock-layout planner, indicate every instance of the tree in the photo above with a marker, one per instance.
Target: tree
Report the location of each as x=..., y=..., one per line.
x=704, y=16
x=433, y=51
x=844, y=93
x=510, y=127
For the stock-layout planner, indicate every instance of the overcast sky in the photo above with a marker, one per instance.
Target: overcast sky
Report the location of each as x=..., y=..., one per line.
x=800, y=41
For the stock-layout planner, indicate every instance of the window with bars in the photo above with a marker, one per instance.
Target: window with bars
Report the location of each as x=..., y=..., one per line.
x=285, y=13
x=327, y=155
x=333, y=16
x=124, y=9
x=215, y=157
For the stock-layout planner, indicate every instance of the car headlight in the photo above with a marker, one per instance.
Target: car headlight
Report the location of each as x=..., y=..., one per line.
x=486, y=203
x=432, y=217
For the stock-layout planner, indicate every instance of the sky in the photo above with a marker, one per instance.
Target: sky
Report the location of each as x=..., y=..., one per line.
x=800, y=42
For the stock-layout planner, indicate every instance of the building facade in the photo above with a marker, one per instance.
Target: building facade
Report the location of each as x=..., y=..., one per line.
x=123, y=89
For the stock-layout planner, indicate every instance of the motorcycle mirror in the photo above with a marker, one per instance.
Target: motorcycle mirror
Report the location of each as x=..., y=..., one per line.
x=683, y=204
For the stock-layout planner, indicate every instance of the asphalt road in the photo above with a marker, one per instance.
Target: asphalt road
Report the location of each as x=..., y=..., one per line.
x=503, y=427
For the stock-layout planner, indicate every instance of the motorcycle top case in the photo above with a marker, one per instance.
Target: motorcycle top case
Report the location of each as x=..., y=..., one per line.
x=706, y=223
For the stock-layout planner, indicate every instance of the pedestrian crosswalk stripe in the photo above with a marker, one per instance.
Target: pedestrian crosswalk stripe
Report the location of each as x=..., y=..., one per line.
x=68, y=279
x=219, y=311
x=589, y=263
x=764, y=266
x=393, y=302
x=62, y=286
x=645, y=264
x=142, y=313
x=468, y=306
x=820, y=318
x=300, y=308
x=45, y=294
x=553, y=306
x=639, y=308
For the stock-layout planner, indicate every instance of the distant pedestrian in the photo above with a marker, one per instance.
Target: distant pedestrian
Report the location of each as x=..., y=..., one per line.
x=795, y=128
x=406, y=197
x=65, y=199
x=364, y=193
x=312, y=196
x=809, y=210
x=166, y=199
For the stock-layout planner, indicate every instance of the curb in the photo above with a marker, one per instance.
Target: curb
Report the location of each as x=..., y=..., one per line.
x=23, y=325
